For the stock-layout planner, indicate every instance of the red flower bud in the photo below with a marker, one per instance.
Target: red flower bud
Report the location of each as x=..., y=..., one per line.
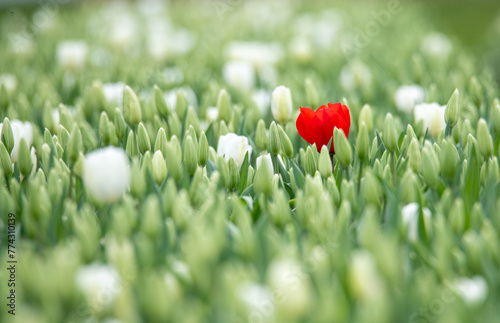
x=317, y=127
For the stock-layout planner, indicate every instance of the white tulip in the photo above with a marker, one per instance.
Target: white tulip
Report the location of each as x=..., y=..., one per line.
x=235, y=147
x=106, y=174
x=407, y=96
x=114, y=92
x=212, y=114
x=256, y=53
x=9, y=81
x=269, y=163
x=432, y=115
x=100, y=284
x=281, y=104
x=410, y=219
x=436, y=45
x=355, y=75
x=472, y=290
x=21, y=130
x=72, y=54
x=262, y=99
x=171, y=97
x=258, y=299
x=240, y=75
x=364, y=276
x=301, y=49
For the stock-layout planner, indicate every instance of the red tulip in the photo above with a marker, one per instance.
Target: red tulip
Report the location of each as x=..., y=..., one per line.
x=317, y=127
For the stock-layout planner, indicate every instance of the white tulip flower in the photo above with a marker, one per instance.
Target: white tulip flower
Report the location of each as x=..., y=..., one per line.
x=269, y=164
x=234, y=146
x=106, y=174
x=281, y=104
x=436, y=45
x=472, y=290
x=100, y=284
x=407, y=96
x=240, y=75
x=212, y=114
x=72, y=54
x=410, y=219
x=258, y=299
x=21, y=130
x=262, y=99
x=432, y=115
x=9, y=81
x=114, y=92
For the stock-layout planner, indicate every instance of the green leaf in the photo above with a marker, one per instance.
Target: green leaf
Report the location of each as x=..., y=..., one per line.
x=471, y=185
x=298, y=175
x=243, y=174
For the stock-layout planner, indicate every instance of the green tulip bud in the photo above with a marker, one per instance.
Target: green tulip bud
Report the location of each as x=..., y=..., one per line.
x=161, y=141
x=466, y=129
x=286, y=144
x=193, y=121
x=414, y=156
x=362, y=142
x=131, y=107
x=106, y=129
x=181, y=104
x=310, y=162
x=452, y=111
x=493, y=170
x=173, y=162
x=410, y=187
x=390, y=133
x=190, y=155
x=260, y=135
x=146, y=163
x=74, y=145
x=78, y=167
x=137, y=182
x=457, y=216
x=449, y=158
x=274, y=139
x=224, y=106
x=223, y=129
x=174, y=141
x=281, y=104
x=312, y=96
x=24, y=159
x=143, y=141
x=131, y=147
x=484, y=140
x=223, y=170
x=161, y=104
x=5, y=160
x=63, y=135
x=343, y=149
x=89, y=137
x=120, y=124
x=7, y=135
x=495, y=115
x=372, y=190
x=324, y=163
x=234, y=175
x=159, y=167
x=365, y=115
x=65, y=117
x=174, y=125
x=263, y=178
x=373, y=148
x=430, y=165
x=203, y=149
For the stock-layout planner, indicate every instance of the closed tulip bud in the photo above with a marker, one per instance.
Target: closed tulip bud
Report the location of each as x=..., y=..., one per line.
x=159, y=167
x=372, y=190
x=63, y=136
x=146, y=163
x=5, y=160
x=414, y=156
x=274, y=139
x=138, y=182
x=493, y=170
x=281, y=104
x=449, y=158
x=452, y=111
x=203, y=149
x=223, y=170
x=173, y=163
x=495, y=115
x=260, y=135
x=343, y=149
x=131, y=147
x=466, y=129
x=25, y=164
x=106, y=129
x=143, y=141
x=78, y=167
x=193, y=121
x=373, y=148
x=74, y=145
x=263, y=178
x=7, y=135
x=161, y=141
x=174, y=125
x=365, y=115
x=181, y=104
x=161, y=104
x=312, y=96
x=286, y=144
x=410, y=187
x=190, y=155
x=310, y=162
x=390, y=133
x=131, y=107
x=224, y=106
x=324, y=163
x=456, y=217
x=120, y=124
x=430, y=165
x=362, y=142
x=234, y=175
x=484, y=140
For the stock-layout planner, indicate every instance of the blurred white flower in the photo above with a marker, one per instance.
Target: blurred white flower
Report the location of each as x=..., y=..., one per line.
x=364, y=276
x=257, y=298
x=269, y=163
x=71, y=54
x=212, y=114
x=256, y=53
x=301, y=49
x=432, y=116
x=262, y=99
x=171, y=97
x=21, y=130
x=322, y=29
x=123, y=28
x=410, y=220
x=472, y=290
x=172, y=75
x=407, y=96
x=355, y=75
x=436, y=45
x=281, y=104
x=100, y=283
x=234, y=146
x=9, y=81
x=239, y=75
x=106, y=174
x=152, y=8
x=290, y=285
x=114, y=92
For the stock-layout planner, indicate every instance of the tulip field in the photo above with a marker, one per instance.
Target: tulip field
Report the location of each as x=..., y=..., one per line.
x=248, y=161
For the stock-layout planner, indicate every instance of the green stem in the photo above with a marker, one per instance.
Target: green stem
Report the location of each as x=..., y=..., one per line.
x=393, y=168
x=360, y=173
x=274, y=159
x=70, y=192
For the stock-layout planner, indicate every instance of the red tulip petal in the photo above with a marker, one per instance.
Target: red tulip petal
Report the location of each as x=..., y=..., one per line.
x=303, y=124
